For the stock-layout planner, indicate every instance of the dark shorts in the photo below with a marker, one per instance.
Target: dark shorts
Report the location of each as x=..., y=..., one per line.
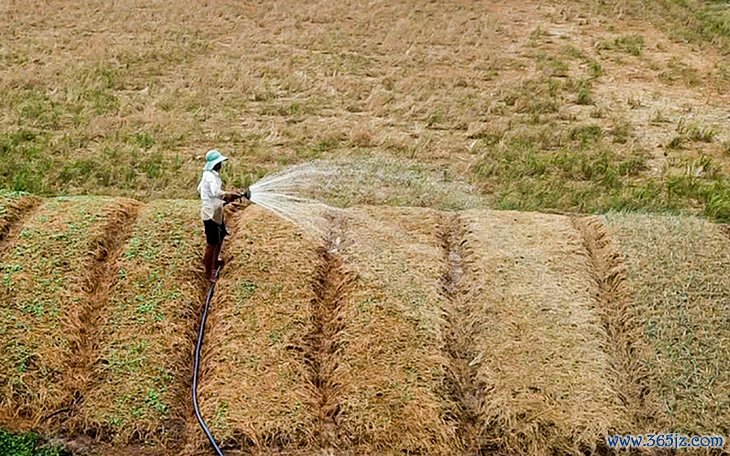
x=214, y=233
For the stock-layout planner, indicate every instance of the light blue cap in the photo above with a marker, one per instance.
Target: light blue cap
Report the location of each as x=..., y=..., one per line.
x=212, y=158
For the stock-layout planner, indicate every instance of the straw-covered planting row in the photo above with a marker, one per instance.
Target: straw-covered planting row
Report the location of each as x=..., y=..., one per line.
x=255, y=389
x=545, y=377
x=680, y=294
x=392, y=368
x=13, y=206
x=48, y=273
x=145, y=331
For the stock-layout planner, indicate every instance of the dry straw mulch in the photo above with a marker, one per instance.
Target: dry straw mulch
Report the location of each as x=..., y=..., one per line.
x=392, y=369
x=404, y=330
x=626, y=346
x=679, y=277
x=254, y=388
x=140, y=388
x=49, y=272
x=547, y=380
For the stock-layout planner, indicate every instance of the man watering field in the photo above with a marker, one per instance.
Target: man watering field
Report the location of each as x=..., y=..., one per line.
x=213, y=198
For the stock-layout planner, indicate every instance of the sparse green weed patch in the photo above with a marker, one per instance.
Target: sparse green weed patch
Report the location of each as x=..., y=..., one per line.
x=591, y=177
x=28, y=444
x=630, y=44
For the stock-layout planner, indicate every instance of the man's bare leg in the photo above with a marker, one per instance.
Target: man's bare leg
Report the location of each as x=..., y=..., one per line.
x=219, y=260
x=209, y=260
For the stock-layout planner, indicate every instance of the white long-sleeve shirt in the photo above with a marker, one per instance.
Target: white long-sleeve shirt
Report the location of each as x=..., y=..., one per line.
x=211, y=195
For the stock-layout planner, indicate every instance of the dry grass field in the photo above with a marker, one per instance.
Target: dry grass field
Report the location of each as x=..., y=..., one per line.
x=577, y=106
x=531, y=250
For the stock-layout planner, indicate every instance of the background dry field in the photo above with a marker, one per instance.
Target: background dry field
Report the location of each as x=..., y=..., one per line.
x=426, y=322
x=581, y=106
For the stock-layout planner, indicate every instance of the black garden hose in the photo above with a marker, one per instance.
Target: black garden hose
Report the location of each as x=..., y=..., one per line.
x=196, y=367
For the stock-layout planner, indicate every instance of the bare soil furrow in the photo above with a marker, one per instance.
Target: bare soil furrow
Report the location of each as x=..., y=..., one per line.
x=460, y=330
x=323, y=343
x=613, y=304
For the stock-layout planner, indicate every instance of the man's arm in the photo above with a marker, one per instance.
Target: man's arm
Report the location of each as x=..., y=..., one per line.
x=217, y=190
x=230, y=196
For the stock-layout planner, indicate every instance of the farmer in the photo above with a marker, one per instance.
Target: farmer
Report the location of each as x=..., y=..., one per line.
x=213, y=197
